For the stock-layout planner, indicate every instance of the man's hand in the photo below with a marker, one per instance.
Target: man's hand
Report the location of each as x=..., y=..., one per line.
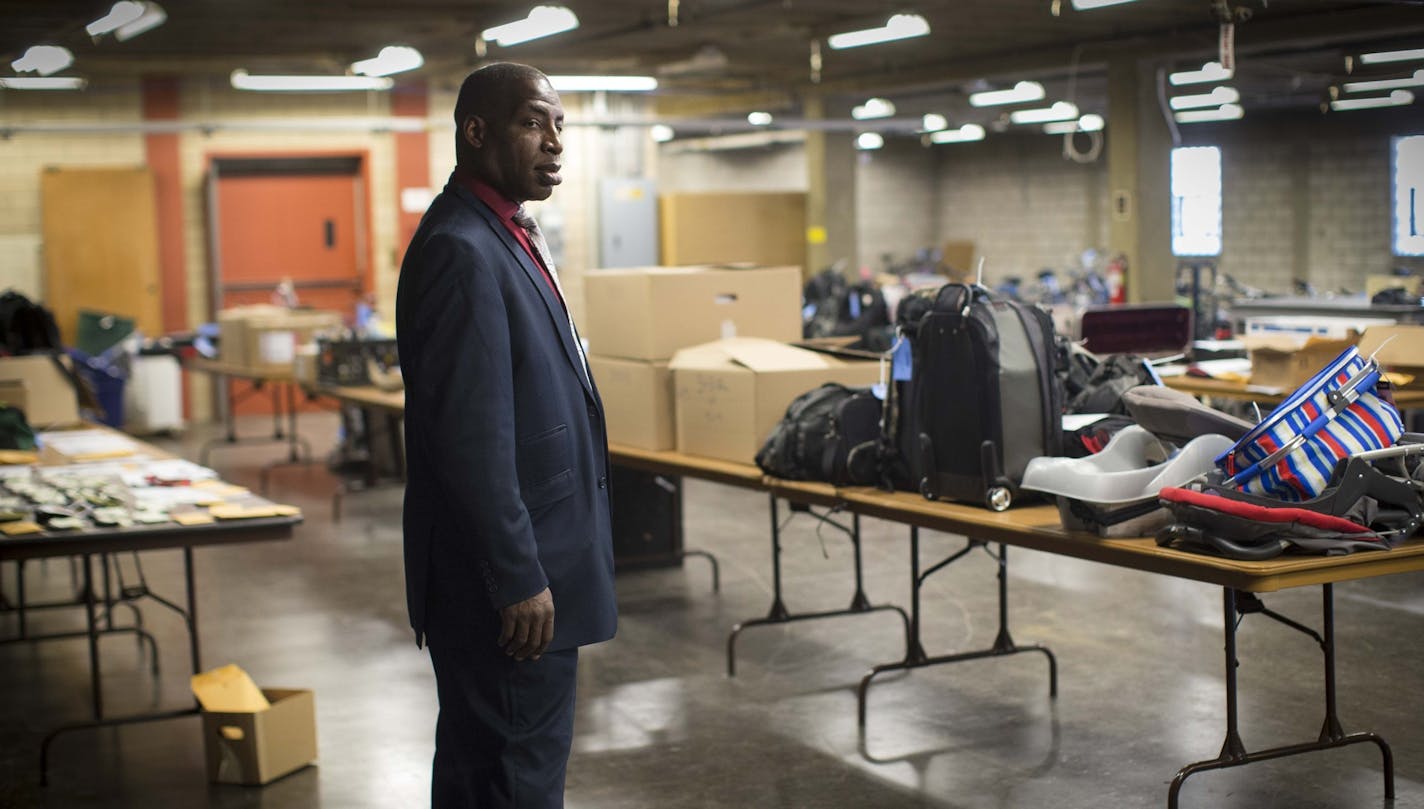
x=527, y=627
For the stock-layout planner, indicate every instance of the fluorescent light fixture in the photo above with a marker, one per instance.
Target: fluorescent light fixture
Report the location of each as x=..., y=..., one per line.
x=1083, y=5
x=1210, y=72
x=1398, y=98
x=1061, y=111
x=1391, y=56
x=759, y=118
x=1226, y=112
x=1088, y=123
x=152, y=17
x=45, y=83
x=900, y=26
x=662, y=133
x=1217, y=97
x=873, y=108
x=391, y=59
x=1417, y=80
x=123, y=13
x=866, y=141
x=1020, y=93
x=933, y=122
x=44, y=60
x=542, y=21
x=614, y=84
x=308, y=84
x=964, y=134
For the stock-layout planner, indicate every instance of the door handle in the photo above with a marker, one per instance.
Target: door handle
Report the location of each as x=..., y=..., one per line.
x=329, y=226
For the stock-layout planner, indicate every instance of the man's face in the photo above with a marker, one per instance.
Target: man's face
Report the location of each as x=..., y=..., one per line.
x=521, y=154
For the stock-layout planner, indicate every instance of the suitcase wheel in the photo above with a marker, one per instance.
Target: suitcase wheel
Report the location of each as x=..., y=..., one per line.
x=926, y=490
x=999, y=498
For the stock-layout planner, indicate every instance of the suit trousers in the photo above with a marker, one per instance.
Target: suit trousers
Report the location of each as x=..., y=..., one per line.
x=505, y=729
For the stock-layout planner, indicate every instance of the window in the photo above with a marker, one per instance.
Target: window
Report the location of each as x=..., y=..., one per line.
x=1196, y=201
x=1408, y=174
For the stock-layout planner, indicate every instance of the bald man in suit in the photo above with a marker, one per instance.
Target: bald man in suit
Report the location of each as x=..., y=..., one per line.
x=508, y=550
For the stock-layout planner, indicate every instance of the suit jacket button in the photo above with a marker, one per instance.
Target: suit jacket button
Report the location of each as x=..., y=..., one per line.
x=603, y=482
x=593, y=412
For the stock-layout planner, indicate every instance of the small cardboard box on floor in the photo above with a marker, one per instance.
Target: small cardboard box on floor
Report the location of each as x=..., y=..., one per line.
x=637, y=401
x=35, y=384
x=1399, y=349
x=649, y=313
x=729, y=394
x=253, y=736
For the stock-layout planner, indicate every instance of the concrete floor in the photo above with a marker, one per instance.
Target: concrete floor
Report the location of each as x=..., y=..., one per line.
x=661, y=725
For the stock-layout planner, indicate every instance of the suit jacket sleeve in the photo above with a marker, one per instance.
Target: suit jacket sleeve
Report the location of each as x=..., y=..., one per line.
x=465, y=393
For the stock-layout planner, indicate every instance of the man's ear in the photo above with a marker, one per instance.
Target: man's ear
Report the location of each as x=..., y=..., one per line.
x=472, y=131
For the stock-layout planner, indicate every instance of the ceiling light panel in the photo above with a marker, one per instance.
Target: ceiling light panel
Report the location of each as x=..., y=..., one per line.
x=44, y=60
x=1021, y=93
x=900, y=26
x=1417, y=80
x=43, y=83
x=542, y=21
x=1217, y=97
x=391, y=59
x=873, y=108
x=965, y=134
x=1226, y=112
x=1209, y=72
x=1061, y=111
x=1398, y=98
x=1391, y=56
x=242, y=80
x=612, y=84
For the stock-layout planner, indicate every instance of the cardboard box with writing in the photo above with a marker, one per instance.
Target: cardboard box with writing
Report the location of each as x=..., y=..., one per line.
x=265, y=338
x=1398, y=348
x=48, y=392
x=1288, y=361
x=729, y=394
x=253, y=736
x=649, y=313
x=637, y=401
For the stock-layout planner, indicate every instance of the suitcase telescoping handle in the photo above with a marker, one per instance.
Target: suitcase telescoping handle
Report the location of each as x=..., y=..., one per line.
x=1339, y=400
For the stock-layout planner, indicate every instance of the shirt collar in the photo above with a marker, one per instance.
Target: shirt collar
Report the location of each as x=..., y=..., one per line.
x=502, y=206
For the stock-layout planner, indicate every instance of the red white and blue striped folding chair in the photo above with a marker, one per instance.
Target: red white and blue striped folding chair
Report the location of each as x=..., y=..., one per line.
x=1293, y=452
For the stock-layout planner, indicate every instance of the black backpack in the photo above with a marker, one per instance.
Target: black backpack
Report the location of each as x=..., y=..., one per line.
x=819, y=435
x=982, y=398
x=25, y=326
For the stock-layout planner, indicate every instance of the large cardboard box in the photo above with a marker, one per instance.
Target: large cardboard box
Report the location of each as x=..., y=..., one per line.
x=728, y=395
x=637, y=401
x=1288, y=361
x=253, y=737
x=1398, y=348
x=265, y=338
x=649, y=313
x=763, y=227
x=49, y=396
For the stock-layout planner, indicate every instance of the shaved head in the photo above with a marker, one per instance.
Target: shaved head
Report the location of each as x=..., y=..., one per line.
x=491, y=93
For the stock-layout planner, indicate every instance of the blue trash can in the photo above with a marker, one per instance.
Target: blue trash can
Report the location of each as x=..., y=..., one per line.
x=105, y=375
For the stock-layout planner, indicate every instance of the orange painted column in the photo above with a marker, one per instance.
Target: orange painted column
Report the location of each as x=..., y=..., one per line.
x=160, y=103
x=410, y=100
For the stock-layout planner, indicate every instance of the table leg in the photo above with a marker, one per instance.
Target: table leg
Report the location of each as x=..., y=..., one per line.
x=1233, y=752
x=915, y=656
x=778, y=614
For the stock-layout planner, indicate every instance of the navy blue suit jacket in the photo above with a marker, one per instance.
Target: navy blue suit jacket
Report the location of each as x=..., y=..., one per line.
x=507, y=455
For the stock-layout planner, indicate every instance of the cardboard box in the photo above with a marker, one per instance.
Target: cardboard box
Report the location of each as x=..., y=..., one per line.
x=1398, y=348
x=763, y=227
x=265, y=338
x=253, y=737
x=50, y=398
x=1412, y=285
x=728, y=395
x=637, y=401
x=1289, y=361
x=650, y=313
x=15, y=393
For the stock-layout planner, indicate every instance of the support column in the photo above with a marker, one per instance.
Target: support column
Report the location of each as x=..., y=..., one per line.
x=160, y=103
x=1139, y=181
x=410, y=100
x=830, y=194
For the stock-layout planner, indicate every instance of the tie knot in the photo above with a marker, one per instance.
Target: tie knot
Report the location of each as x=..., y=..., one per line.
x=522, y=218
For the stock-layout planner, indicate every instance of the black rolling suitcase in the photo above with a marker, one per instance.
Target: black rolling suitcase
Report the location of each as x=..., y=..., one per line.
x=980, y=399
x=647, y=519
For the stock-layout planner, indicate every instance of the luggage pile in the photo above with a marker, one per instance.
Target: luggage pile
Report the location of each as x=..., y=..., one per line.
x=970, y=409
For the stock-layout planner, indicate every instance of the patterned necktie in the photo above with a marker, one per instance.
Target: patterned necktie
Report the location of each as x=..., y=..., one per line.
x=522, y=218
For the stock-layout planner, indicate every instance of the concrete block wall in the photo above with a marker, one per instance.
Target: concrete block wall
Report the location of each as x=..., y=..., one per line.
x=1351, y=222
x=23, y=156
x=1259, y=197
x=896, y=202
x=780, y=167
x=1021, y=202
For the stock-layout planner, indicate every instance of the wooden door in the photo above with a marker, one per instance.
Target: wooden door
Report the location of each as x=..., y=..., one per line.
x=100, y=246
x=297, y=219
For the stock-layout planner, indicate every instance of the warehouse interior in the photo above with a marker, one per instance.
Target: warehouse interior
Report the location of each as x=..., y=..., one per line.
x=148, y=189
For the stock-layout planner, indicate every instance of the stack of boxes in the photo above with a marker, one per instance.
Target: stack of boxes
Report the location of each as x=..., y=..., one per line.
x=694, y=358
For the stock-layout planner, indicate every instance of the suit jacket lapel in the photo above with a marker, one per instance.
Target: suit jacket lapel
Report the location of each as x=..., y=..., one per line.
x=558, y=316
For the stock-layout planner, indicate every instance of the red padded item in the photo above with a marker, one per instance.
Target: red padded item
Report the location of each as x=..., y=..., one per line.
x=1251, y=511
